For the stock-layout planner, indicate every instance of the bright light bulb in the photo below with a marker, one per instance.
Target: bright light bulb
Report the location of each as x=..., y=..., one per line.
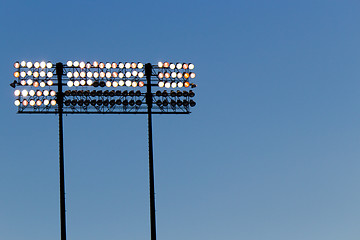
x=96, y=74
x=167, y=75
x=172, y=66
x=36, y=74
x=191, y=66
x=101, y=65
x=76, y=64
x=50, y=74
x=43, y=64
x=82, y=82
x=128, y=83
x=179, y=75
x=32, y=93
x=32, y=102
x=127, y=65
x=46, y=93
x=161, y=84
x=173, y=75
x=186, y=75
x=185, y=66
x=89, y=74
x=82, y=74
x=88, y=65
x=36, y=64
x=140, y=65
x=69, y=74
x=173, y=84
x=180, y=84
x=108, y=84
x=16, y=74
x=53, y=102
x=36, y=84
x=52, y=93
x=108, y=65
x=29, y=73
x=108, y=75
x=17, y=102
x=69, y=63
x=89, y=82
x=29, y=82
x=76, y=83
x=42, y=74
x=141, y=84
x=70, y=83
x=46, y=102
x=133, y=65
x=115, y=84
x=166, y=64
x=39, y=93
x=49, y=65
x=29, y=64
x=167, y=85
x=76, y=74
x=17, y=93
x=160, y=64
x=121, y=83
x=114, y=65
x=23, y=64
x=121, y=65
x=16, y=65
x=115, y=74
x=95, y=64
x=42, y=84
x=192, y=75
x=23, y=74
x=186, y=84
x=160, y=75
x=25, y=102
x=102, y=74
x=121, y=75
x=141, y=74
x=82, y=64
x=134, y=73
x=23, y=82
x=134, y=84
x=178, y=65
x=128, y=74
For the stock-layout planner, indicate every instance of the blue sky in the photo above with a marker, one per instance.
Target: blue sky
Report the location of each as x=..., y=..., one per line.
x=271, y=150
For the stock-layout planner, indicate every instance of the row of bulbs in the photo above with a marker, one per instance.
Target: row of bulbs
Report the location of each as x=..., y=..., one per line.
x=38, y=102
x=185, y=75
x=33, y=83
x=104, y=74
x=34, y=74
x=35, y=64
x=120, y=83
x=32, y=93
x=126, y=93
x=107, y=65
x=177, y=65
x=100, y=102
x=104, y=65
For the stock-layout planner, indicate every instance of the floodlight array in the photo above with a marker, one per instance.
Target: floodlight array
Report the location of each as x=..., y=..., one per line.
x=102, y=87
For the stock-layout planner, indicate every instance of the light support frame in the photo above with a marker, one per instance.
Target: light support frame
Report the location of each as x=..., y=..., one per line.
x=152, y=101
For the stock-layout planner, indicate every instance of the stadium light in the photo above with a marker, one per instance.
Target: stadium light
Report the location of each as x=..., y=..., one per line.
x=80, y=87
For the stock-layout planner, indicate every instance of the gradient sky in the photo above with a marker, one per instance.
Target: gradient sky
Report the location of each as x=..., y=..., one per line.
x=270, y=152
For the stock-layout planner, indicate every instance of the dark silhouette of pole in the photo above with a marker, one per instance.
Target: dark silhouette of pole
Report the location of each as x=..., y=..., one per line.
x=59, y=72
x=148, y=73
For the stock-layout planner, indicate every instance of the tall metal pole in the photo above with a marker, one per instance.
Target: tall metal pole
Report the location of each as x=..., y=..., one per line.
x=148, y=72
x=59, y=72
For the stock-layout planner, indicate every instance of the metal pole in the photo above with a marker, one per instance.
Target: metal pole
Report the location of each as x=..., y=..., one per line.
x=59, y=72
x=148, y=72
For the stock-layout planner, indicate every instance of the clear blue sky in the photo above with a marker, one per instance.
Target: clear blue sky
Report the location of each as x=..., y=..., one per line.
x=271, y=151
